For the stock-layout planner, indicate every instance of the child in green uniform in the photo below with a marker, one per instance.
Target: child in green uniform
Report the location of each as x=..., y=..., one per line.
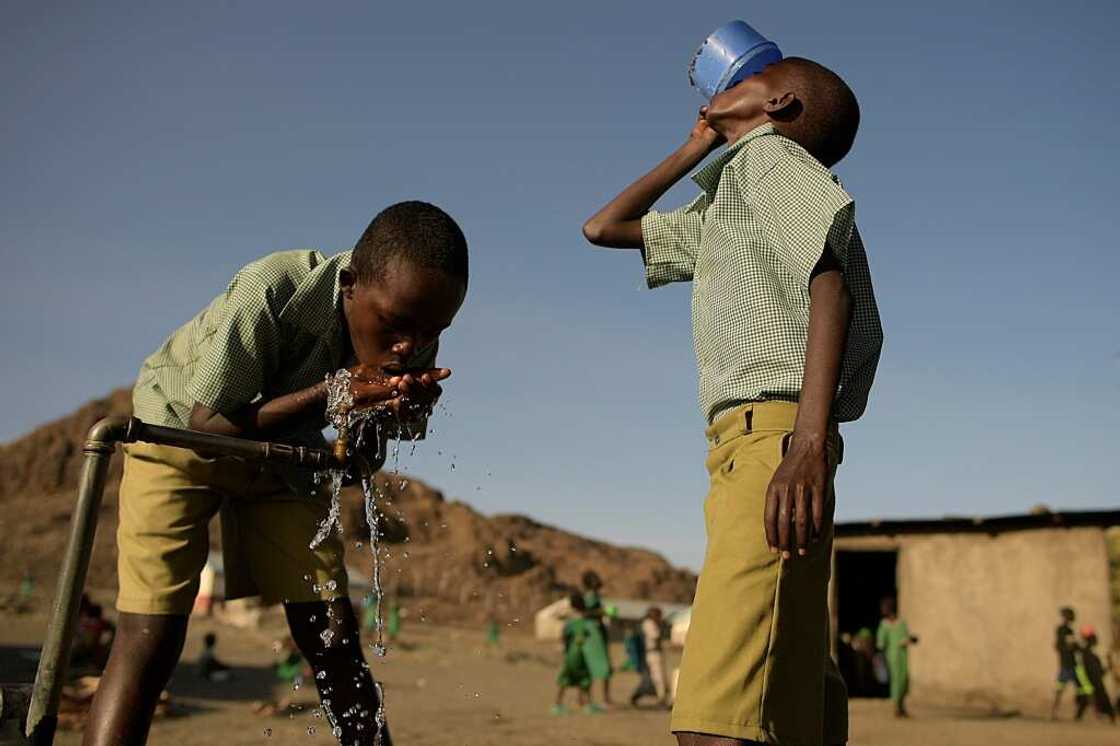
x=598, y=652
x=894, y=639
x=393, y=627
x=580, y=634
x=493, y=632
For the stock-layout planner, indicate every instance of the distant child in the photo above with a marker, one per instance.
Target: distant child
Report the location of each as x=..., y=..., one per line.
x=290, y=668
x=369, y=613
x=1065, y=644
x=493, y=632
x=894, y=639
x=599, y=660
x=652, y=639
x=393, y=625
x=253, y=363
x=574, y=671
x=634, y=648
x=209, y=667
x=1091, y=674
x=94, y=636
x=787, y=340
x=1113, y=660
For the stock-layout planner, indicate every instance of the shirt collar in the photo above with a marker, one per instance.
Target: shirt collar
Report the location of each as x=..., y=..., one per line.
x=708, y=177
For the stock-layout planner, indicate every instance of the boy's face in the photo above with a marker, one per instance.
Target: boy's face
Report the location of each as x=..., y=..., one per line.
x=392, y=317
x=748, y=101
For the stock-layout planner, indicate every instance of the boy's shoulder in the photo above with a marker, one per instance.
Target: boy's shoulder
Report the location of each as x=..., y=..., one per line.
x=775, y=156
x=289, y=281
x=279, y=267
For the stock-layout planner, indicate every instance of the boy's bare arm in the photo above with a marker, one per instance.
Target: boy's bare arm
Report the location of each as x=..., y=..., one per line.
x=619, y=224
x=797, y=497
x=261, y=418
x=368, y=388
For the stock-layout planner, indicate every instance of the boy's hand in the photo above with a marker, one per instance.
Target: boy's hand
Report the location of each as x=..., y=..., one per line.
x=796, y=497
x=702, y=133
x=371, y=388
x=420, y=390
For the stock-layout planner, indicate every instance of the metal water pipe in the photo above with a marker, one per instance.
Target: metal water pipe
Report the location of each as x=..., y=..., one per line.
x=101, y=442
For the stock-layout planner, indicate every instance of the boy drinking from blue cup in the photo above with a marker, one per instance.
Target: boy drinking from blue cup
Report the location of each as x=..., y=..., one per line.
x=787, y=339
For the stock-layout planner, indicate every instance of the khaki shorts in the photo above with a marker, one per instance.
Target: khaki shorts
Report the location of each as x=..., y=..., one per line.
x=167, y=498
x=756, y=664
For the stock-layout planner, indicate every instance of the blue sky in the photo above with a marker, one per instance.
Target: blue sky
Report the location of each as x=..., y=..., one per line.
x=148, y=152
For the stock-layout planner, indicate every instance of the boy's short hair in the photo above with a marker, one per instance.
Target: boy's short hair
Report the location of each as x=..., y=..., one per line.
x=829, y=117
x=417, y=231
x=591, y=580
x=575, y=598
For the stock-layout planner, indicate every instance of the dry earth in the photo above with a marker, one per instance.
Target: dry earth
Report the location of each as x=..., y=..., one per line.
x=446, y=688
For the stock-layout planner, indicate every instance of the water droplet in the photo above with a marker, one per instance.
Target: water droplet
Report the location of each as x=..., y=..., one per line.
x=311, y=730
x=326, y=635
x=268, y=732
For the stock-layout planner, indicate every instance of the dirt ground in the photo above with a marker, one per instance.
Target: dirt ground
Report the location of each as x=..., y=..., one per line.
x=444, y=687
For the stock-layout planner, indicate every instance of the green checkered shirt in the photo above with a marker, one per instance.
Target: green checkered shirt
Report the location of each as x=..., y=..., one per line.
x=749, y=243
x=278, y=328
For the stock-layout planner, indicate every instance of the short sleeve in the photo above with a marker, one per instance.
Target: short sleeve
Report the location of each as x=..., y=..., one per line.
x=243, y=350
x=804, y=209
x=671, y=242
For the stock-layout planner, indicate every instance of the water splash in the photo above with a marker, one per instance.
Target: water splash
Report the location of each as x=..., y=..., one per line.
x=334, y=514
x=369, y=495
x=379, y=718
x=352, y=427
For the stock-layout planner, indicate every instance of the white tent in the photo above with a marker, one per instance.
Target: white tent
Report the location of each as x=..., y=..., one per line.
x=548, y=623
x=246, y=612
x=678, y=627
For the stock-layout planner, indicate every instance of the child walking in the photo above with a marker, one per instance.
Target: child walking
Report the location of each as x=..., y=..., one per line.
x=894, y=640
x=787, y=340
x=579, y=633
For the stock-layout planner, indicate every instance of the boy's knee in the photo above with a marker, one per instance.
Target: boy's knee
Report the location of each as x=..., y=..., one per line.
x=150, y=634
x=323, y=629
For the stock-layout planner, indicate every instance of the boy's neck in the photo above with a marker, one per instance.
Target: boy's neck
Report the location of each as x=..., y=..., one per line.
x=735, y=130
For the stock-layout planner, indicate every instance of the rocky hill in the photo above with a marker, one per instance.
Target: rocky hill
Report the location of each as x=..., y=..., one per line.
x=446, y=558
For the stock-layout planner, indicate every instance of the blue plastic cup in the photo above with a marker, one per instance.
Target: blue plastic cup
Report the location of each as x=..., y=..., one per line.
x=733, y=51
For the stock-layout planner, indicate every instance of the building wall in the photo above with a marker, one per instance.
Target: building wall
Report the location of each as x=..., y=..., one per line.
x=985, y=609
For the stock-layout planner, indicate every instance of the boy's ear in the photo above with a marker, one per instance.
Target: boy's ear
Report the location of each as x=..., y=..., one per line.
x=782, y=106
x=347, y=280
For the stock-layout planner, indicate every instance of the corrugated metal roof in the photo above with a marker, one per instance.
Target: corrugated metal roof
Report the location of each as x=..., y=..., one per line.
x=979, y=524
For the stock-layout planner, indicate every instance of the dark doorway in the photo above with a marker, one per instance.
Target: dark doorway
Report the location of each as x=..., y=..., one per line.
x=863, y=579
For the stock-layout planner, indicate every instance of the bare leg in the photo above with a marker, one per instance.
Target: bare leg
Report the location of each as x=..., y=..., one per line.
x=346, y=688
x=607, y=692
x=144, y=654
x=1057, y=701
